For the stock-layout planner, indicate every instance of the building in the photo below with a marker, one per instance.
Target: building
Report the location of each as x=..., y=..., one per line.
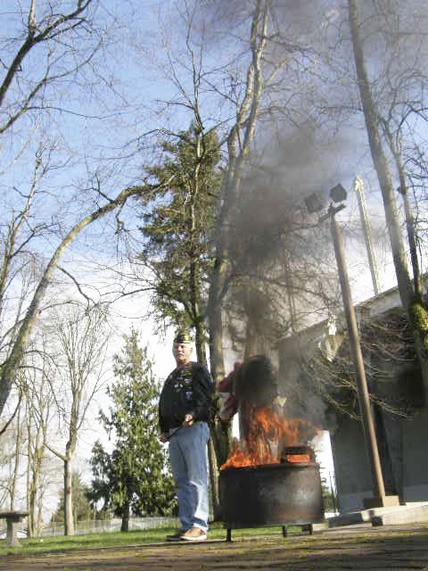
x=315, y=373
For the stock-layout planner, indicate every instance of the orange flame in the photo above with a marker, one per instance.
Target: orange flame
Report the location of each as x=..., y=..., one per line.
x=269, y=433
x=297, y=458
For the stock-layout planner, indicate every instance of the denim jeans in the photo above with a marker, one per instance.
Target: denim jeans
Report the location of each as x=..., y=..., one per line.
x=189, y=463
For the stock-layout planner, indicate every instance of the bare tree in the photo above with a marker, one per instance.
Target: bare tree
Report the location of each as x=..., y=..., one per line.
x=81, y=341
x=8, y=464
x=41, y=34
x=39, y=407
x=23, y=328
x=46, y=47
x=50, y=51
x=410, y=297
x=11, y=464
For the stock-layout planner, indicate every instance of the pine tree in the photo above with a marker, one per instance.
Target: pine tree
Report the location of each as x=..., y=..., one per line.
x=178, y=220
x=134, y=478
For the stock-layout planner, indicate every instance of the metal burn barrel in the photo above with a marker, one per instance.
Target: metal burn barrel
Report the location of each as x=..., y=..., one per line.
x=272, y=494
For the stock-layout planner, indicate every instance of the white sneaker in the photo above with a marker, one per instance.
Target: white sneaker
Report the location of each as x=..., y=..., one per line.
x=194, y=534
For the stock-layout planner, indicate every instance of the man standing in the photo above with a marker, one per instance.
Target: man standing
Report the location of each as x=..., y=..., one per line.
x=184, y=407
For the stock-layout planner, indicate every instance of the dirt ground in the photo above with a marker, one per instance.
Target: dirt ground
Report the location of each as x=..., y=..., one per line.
x=356, y=547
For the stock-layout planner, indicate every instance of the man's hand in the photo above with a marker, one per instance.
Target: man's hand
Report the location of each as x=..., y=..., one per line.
x=163, y=437
x=188, y=420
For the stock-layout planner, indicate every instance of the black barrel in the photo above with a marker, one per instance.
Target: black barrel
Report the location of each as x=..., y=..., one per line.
x=274, y=494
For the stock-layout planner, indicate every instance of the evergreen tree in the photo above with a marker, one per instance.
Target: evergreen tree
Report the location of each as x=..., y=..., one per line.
x=178, y=220
x=134, y=478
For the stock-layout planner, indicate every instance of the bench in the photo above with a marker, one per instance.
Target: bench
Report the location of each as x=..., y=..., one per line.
x=12, y=520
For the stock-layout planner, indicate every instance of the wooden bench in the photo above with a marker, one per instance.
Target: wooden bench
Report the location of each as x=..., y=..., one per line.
x=12, y=520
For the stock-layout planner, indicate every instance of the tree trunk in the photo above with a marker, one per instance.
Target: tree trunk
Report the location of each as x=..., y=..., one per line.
x=34, y=471
x=124, y=526
x=410, y=220
x=416, y=312
x=215, y=498
x=68, y=498
x=16, y=461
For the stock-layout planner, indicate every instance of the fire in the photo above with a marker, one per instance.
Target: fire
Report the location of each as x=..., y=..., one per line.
x=297, y=458
x=269, y=433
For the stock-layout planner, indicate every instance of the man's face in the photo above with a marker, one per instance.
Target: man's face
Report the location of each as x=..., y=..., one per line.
x=182, y=352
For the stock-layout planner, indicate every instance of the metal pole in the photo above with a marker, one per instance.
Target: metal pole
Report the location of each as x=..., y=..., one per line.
x=359, y=190
x=363, y=394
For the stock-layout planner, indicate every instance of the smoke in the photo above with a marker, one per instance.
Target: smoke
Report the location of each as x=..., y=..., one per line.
x=312, y=136
x=297, y=18
x=270, y=217
x=285, y=254
x=312, y=158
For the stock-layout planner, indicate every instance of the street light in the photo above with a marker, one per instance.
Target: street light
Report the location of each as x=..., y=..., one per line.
x=314, y=204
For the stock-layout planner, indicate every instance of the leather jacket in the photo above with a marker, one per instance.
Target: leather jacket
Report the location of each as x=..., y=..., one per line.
x=187, y=390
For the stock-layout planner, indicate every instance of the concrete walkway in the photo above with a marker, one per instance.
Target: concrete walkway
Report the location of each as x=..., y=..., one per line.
x=358, y=547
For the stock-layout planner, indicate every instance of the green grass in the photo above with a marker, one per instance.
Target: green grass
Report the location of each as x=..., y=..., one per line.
x=118, y=539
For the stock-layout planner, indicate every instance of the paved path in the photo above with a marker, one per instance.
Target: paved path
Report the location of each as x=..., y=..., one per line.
x=359, y=547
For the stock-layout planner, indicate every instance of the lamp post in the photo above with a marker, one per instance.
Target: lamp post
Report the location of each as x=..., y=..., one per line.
x=338, y=195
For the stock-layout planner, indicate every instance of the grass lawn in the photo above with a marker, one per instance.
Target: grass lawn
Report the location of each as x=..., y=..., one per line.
x=118, y=539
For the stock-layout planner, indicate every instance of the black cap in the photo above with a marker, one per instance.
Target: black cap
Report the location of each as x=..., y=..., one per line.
x=182, y=336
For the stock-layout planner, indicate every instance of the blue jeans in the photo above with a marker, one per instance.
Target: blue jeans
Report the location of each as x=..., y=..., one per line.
x=189, y=463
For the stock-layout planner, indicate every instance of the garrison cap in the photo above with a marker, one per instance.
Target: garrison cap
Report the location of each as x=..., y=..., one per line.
x=182, y=336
